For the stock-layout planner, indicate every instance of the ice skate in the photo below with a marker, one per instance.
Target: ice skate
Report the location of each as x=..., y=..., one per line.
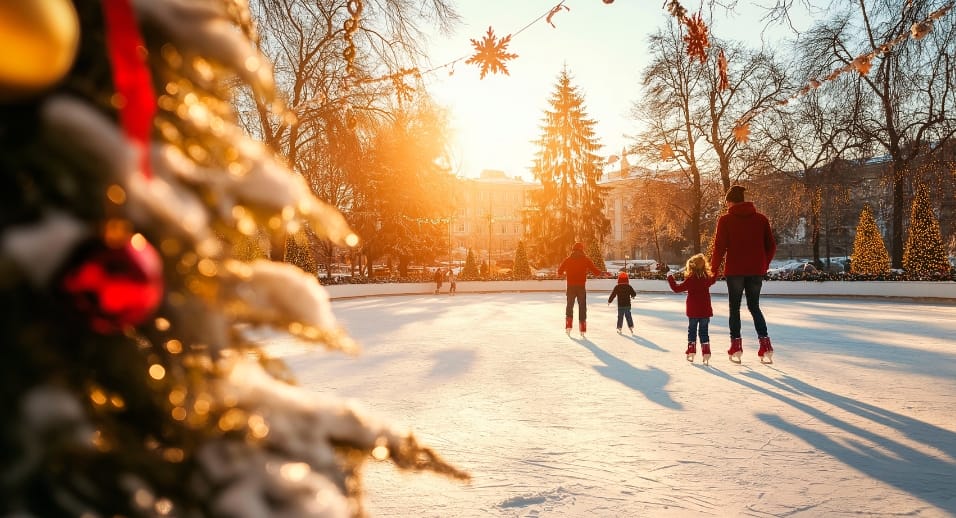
x=630, y=330
x=691, y=351
x=567, y=326
x=705, y=352
x=619, y=331
x=736, y=349
x=765, y=353
x=584, y=328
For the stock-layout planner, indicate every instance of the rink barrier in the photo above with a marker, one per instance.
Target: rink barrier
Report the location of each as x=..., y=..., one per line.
x=912, y=290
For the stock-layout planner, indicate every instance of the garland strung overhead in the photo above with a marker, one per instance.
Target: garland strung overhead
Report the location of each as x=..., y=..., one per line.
x=861, y=64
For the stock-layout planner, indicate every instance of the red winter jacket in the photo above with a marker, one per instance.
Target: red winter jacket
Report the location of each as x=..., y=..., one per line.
x=577, y=265
x=698, y=294
x=744, y=235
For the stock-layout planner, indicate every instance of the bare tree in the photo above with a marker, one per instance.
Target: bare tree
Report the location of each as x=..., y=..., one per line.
x=689, y=118
x=341, y=74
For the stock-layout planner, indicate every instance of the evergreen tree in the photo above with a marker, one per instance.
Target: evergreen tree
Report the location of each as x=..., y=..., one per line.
x=924, y=251
x=571, y=202
x=594, y=253
x=522, y=270
x=470, y=271
x=869, y=251
x=132, y=388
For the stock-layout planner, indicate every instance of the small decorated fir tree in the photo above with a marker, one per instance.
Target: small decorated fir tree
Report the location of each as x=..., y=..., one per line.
x=869, y=251
x=924, y=252
x=522, y=269
x=594, y=253
x=470, y=271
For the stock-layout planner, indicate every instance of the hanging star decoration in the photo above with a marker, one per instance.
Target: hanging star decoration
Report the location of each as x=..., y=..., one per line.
x=722, y=71
x=491, y=54
x=742, y=132
x=667, y=152
x=696, y=37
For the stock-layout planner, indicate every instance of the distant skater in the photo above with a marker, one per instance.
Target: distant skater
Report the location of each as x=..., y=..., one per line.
x=624, y=292
x=452, y=282
x=577, y=265
x=744, y=240
x=439, y=275
x=697, y=282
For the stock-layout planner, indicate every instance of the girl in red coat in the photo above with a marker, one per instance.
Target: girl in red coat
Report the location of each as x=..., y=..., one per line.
x=697, y=283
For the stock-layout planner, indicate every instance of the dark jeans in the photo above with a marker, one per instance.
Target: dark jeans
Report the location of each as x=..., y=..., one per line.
x=622, y=313
x=695, y=325
x=749, y=285
x=580, y=294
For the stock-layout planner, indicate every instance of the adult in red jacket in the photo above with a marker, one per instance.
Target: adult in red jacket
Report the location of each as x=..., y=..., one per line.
x=745, y=245
x=577, y=265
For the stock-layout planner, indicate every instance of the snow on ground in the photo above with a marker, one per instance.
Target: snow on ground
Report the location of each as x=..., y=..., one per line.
x=857, y=417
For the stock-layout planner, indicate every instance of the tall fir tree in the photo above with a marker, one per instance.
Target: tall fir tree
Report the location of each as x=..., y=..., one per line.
x=522, y=269
x=470, y=271
x=570, y=204
x=869, y=250
x=133, y=387
x=924, y=252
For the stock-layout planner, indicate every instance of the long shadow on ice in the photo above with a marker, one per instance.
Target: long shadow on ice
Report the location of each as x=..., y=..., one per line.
x=650, y=382
x=924, y=475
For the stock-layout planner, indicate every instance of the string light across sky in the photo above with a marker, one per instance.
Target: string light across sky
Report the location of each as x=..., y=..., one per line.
x=495, y=119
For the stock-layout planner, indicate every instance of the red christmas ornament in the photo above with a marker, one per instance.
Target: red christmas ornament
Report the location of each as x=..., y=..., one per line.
x=114, y=287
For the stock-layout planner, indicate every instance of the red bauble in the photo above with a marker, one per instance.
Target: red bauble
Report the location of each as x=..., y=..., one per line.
x=114, y=287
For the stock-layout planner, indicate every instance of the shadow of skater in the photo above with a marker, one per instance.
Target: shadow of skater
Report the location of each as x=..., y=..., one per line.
x=639, y=340
x=650, y=382
x=920, y=473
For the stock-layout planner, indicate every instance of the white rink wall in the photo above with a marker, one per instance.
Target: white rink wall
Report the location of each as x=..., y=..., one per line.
x=875, y=289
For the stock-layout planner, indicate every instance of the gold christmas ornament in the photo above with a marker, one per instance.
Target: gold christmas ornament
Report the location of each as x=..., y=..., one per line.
x=39, y=39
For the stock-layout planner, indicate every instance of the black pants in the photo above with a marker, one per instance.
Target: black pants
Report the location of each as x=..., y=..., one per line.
x=579, y=294
x=749, y=285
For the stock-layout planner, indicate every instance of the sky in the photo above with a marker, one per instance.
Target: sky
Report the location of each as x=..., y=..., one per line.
x=854, y=418
x=495, y=119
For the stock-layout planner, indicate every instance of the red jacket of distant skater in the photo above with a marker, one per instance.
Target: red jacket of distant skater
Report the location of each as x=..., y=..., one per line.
x=577, y=265
x=698, y=294
x=744, y=237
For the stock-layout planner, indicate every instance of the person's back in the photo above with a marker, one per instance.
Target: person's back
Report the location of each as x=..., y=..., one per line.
x=576, y=266
x=744, y=243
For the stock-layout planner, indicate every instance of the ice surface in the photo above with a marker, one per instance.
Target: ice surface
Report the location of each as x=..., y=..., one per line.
x=855, y=418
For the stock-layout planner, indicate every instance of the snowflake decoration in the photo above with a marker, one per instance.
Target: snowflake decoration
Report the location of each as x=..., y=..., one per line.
x=696, y=38
x=491, y=53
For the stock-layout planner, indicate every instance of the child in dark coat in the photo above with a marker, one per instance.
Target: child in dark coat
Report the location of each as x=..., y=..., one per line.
x=697, y=283
x=624, y=293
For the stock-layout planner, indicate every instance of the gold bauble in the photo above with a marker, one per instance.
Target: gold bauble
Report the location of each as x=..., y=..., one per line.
x=38, y=39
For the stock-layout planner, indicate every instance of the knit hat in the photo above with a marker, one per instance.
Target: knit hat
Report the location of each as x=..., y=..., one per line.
x=736, y=194
x=622, y=278
x=578, y=246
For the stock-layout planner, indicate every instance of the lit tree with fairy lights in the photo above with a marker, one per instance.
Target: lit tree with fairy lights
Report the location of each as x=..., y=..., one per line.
x=924, y=252
x=869, y=251
x=522, y=269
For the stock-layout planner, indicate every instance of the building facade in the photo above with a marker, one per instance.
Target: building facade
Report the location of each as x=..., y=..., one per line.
x=489, y=218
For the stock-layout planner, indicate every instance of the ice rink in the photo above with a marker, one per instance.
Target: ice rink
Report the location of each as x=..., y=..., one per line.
x=856, y=417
